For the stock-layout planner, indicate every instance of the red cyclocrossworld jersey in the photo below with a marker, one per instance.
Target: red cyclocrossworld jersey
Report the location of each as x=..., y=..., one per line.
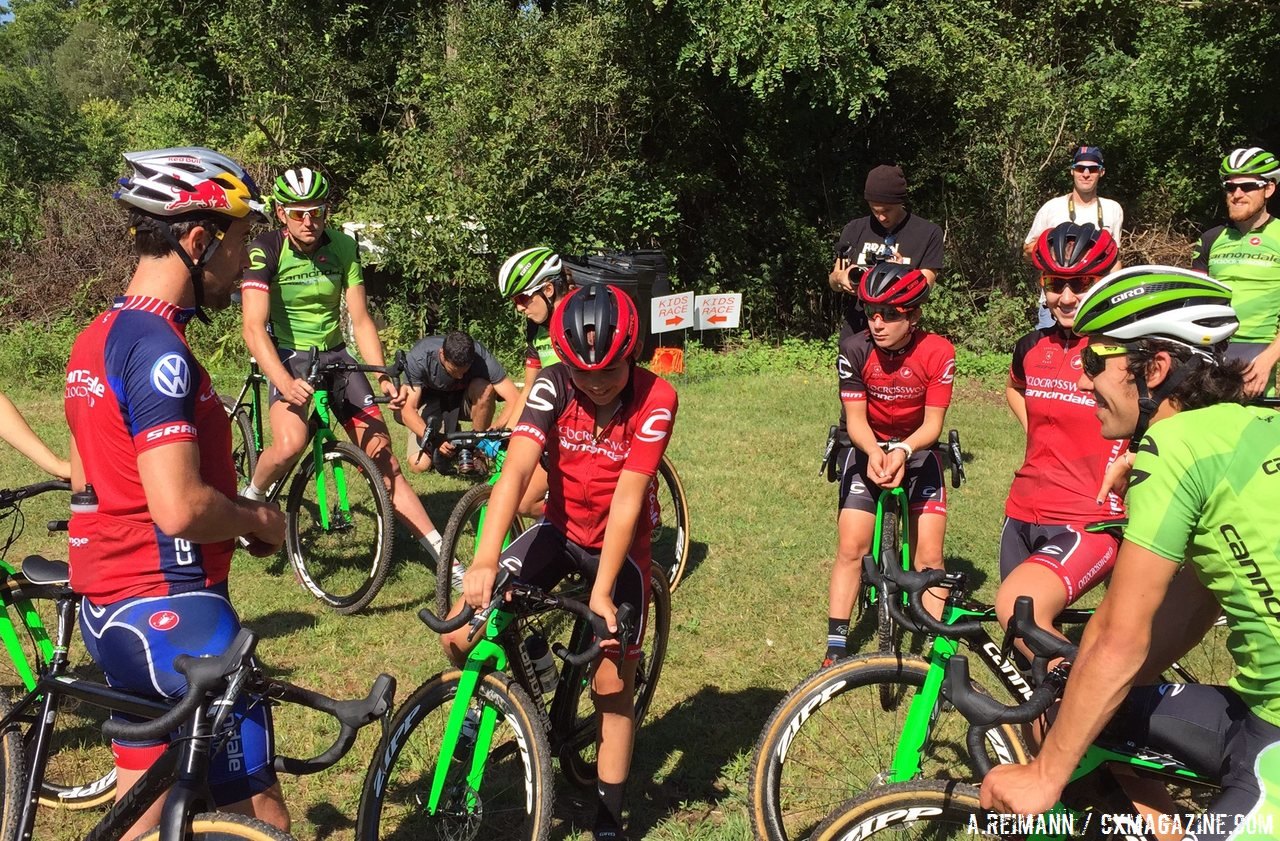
x=582, y=467
x=896, y=385
x=133, y=384
x=1067, y=456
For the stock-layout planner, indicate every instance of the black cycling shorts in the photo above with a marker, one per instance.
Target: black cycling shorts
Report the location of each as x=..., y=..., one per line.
x=350, y=396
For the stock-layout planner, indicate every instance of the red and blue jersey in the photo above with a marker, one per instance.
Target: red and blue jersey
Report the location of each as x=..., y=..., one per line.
x=1066, y=456
x=583, y=467
x=133, y=384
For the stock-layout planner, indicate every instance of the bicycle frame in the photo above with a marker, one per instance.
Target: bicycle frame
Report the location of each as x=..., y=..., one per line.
x=880, y=540
x=252, y=388
x=11, y=596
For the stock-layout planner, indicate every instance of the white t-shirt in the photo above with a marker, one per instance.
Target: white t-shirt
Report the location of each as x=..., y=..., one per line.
x=1056, y=211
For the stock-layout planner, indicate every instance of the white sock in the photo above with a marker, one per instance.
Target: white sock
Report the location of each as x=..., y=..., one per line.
x=251, y=492
x=433, y=543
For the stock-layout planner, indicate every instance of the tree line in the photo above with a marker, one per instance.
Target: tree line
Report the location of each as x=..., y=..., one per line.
x=733, y=134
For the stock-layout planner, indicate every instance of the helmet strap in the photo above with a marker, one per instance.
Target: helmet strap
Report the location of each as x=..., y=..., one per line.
x=196, y=267
x=1149, y=400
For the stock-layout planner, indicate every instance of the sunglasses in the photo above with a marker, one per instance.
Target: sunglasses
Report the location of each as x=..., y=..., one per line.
x=1243, y=186
x=521, y=299
x=1086, y=168
x=1093, y=359
x=297, y=214
x=1078, y=285
x=885, y=313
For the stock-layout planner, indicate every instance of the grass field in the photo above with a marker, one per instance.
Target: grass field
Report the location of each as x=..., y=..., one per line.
x=748, y=622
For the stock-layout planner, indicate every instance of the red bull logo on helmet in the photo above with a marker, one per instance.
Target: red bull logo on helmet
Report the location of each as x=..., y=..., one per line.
x=208, y=195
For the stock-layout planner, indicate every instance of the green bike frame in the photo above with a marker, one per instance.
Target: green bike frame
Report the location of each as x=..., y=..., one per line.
x=321, y=435
x=9, y=634
x=486, y=652
x=879, y=540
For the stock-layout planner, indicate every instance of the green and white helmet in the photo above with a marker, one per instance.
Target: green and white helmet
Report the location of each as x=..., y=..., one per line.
x=300, y=184
x=1251, y=161
x=527, y=269
x=1158, y=302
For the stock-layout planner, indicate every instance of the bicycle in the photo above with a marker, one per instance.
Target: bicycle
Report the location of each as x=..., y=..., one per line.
x=825, y=741
x=338, y=511
x=670, y=539
x=891, y=545
x=214, y=685
x=468, y=755
x=952, y=810
x=82, y=774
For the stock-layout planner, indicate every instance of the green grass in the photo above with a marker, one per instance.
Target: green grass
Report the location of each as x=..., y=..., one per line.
x=749, y=621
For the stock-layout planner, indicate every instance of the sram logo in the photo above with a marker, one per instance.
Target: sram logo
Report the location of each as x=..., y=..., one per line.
x=542, y=396
x=878, y=822
x=170, y=429
x=656, y=426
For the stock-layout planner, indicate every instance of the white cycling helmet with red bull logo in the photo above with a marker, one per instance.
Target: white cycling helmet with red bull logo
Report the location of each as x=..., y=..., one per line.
x=189, y=181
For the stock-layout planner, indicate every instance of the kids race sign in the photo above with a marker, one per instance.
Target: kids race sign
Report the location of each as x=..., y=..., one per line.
x=718, y=312
x=671, y=312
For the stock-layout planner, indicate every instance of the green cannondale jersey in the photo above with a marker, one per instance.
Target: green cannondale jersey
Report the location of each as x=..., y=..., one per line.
x=1250, y=265
x=1205, y=489
x=306, y=289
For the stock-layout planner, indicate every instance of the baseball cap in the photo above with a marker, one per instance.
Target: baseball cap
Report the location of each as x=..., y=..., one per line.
x=1088, y=153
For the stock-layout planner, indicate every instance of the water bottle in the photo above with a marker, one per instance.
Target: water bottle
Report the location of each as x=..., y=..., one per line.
x=544, y=665
x=85, y=501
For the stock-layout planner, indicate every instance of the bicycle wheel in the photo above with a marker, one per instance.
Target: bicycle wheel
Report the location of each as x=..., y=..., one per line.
x=340, y=552
x=933, y=810
x=830, y=739
x=461, y=535
x=671, y=532
x=80, y=773
x=12, y=777
x=222, y=826
x=243, y=451
x=577, y=752
x=514, y=800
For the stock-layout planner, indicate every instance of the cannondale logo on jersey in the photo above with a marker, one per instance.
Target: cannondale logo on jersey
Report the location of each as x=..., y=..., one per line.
x=171, y=375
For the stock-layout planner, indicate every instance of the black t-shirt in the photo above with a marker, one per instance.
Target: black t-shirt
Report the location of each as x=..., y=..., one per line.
x=916, y=240
x=424, y=369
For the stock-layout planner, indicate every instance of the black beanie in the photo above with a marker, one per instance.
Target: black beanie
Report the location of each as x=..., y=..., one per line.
x=886, y=185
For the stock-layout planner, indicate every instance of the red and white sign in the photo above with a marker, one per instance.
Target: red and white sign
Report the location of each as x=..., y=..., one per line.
x=671, y=312
x=718, y=312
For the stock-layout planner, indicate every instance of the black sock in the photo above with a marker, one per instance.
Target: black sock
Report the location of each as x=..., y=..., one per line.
x=837, y=636
x=609, y=810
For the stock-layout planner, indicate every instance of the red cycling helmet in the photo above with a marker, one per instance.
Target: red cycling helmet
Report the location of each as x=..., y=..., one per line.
x=893, y=285
x=595, y=326
x=1073, y=250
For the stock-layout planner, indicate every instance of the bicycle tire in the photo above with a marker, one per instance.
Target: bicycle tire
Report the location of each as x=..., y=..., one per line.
x=888, y=633
x=824, y=743
x=344, y=565
x=80, y=773
x=223, y=826
x=13, y=776
x=577, y=751
x=517, y=775
x=244, y=453
x=924, y=809
x=459, y=542
x=671, y=533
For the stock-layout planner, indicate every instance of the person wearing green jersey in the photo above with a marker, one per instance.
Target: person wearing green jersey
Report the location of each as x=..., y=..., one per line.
x=1245, y=255
x=291, y=297
x=534, y=280
x=1202, y=492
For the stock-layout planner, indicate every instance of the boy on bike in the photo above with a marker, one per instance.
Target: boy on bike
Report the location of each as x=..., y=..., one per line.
x=895, y=387
x=601, y=424
x=1202, y=494
x=291, y=299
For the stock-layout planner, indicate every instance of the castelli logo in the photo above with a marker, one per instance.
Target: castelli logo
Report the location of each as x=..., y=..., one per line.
x=1255, y=240
x=163, y=620
x=1075, y=362
x=904, y=372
